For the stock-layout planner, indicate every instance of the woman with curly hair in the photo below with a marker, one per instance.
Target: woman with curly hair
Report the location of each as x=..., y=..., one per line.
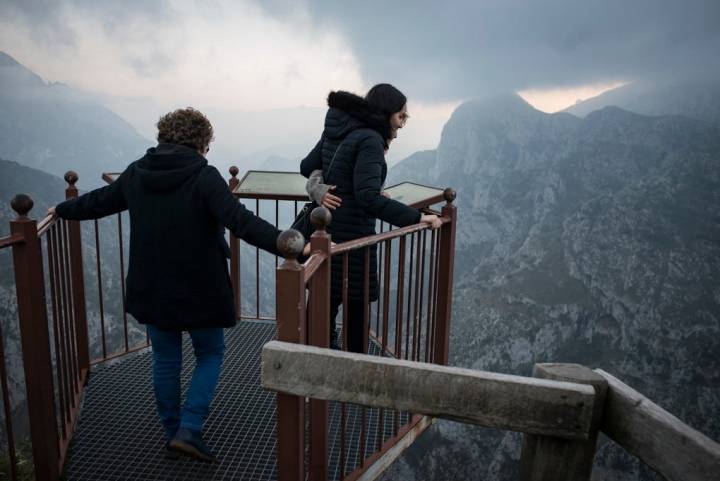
x=178, y=274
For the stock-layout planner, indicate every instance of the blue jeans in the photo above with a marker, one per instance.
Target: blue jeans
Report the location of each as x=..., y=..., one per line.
x=209, y=346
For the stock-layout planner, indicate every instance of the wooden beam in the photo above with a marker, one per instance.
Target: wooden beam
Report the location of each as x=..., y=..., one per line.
x=665, y=443
x=538, y=406
x=546, y=458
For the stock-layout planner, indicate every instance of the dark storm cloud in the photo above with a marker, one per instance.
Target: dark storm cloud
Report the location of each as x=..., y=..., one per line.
x=457, y=49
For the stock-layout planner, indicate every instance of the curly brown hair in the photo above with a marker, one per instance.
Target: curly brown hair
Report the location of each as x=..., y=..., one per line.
x=187, y=127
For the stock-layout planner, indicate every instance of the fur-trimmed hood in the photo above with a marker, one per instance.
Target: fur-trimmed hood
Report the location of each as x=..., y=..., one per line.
x=349, y=112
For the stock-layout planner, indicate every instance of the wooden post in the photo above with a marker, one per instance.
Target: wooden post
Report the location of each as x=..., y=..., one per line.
x=78, y=283
x=319, y=336
x=546, y=458
x=446, y=255
x=290, y=307
x=235, y=252
x=35, y=339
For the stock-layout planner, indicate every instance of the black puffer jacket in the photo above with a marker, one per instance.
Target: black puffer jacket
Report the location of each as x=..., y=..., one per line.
x=359, y=171
x=178, y=274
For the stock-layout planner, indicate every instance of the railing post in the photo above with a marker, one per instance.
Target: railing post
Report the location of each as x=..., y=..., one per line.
x=546, y=458
x=78, y=283
x=235, y=251
x=319, y=336
x=290, y=308
x=35, y=339
x=446, y=254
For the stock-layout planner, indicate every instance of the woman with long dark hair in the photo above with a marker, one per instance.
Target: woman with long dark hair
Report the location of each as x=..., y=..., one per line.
x=350, y=156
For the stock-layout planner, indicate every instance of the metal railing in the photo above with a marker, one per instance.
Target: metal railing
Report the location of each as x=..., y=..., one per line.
x=52, y=322
x=71, y=316
x=418, y=287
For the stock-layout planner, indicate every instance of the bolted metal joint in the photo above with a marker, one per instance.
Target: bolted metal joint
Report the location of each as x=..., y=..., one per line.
x=22, y=204
x=71, y=177
x=320, y=218
x=290, y=243
x=449, y=195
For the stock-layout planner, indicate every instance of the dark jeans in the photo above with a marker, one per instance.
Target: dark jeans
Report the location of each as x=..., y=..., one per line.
x=355, y=334
x=209, y=346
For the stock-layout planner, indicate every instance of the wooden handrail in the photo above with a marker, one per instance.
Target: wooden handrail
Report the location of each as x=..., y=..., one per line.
x=659, y=439
x=538, y=406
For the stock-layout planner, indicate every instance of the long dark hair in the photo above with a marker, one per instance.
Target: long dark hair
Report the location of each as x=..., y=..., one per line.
x=386, y=98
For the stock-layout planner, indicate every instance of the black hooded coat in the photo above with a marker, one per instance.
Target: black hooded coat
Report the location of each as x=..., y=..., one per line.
x=177, y=275
x=359, y=171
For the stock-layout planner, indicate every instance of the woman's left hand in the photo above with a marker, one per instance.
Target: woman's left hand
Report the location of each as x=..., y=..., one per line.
x=51, y=211
x=385, y=193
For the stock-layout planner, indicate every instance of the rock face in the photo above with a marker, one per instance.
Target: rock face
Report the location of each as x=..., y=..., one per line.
x=594, y=241
x=55, y=128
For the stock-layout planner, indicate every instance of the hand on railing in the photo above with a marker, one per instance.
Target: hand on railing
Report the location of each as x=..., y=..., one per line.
x=385, y=193
x=51, y=211
x=432, y=220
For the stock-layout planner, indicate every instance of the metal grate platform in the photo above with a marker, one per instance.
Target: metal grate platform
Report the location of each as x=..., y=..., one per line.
x=119, y=437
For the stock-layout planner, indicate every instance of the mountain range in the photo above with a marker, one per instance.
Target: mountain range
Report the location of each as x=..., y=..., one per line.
x=55, y=128
x=595, y=235
x=594, y=240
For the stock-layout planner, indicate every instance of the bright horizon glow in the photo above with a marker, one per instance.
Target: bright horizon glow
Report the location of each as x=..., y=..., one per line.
x=556, y=99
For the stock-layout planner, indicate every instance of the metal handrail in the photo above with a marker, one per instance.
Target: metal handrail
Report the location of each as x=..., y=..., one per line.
x=384, y=236
x=11, y=240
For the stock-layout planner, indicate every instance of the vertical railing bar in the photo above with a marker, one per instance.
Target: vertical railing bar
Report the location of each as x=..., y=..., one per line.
x=366, y=333
x=366, y=301
x=418, y=254
x=8, y=410
x=423, y=237
x=56, y=328
x=387, y=249
x=277, y=222
x=100, y=290
x=409, y=297
x=398, y=315
x=437, y=286
x=381, y=256
x=122, y=280
x=343, y=407
x=387, y=256
x=431, y=295
x=69, y=318
x=62, y=315
x=73, y=314
x=345, y=301
x=257, y=267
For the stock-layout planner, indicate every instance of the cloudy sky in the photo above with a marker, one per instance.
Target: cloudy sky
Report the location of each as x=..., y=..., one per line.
x=278, y=54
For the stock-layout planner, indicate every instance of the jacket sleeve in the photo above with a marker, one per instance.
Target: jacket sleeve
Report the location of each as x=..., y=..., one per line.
x=232, y=214
x=96, y=203
x=367, y=183
x=313, y=160
x=315, y=187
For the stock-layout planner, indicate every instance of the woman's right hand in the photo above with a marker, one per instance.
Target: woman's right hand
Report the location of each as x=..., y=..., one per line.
x=431, y=219
x=330, y=201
